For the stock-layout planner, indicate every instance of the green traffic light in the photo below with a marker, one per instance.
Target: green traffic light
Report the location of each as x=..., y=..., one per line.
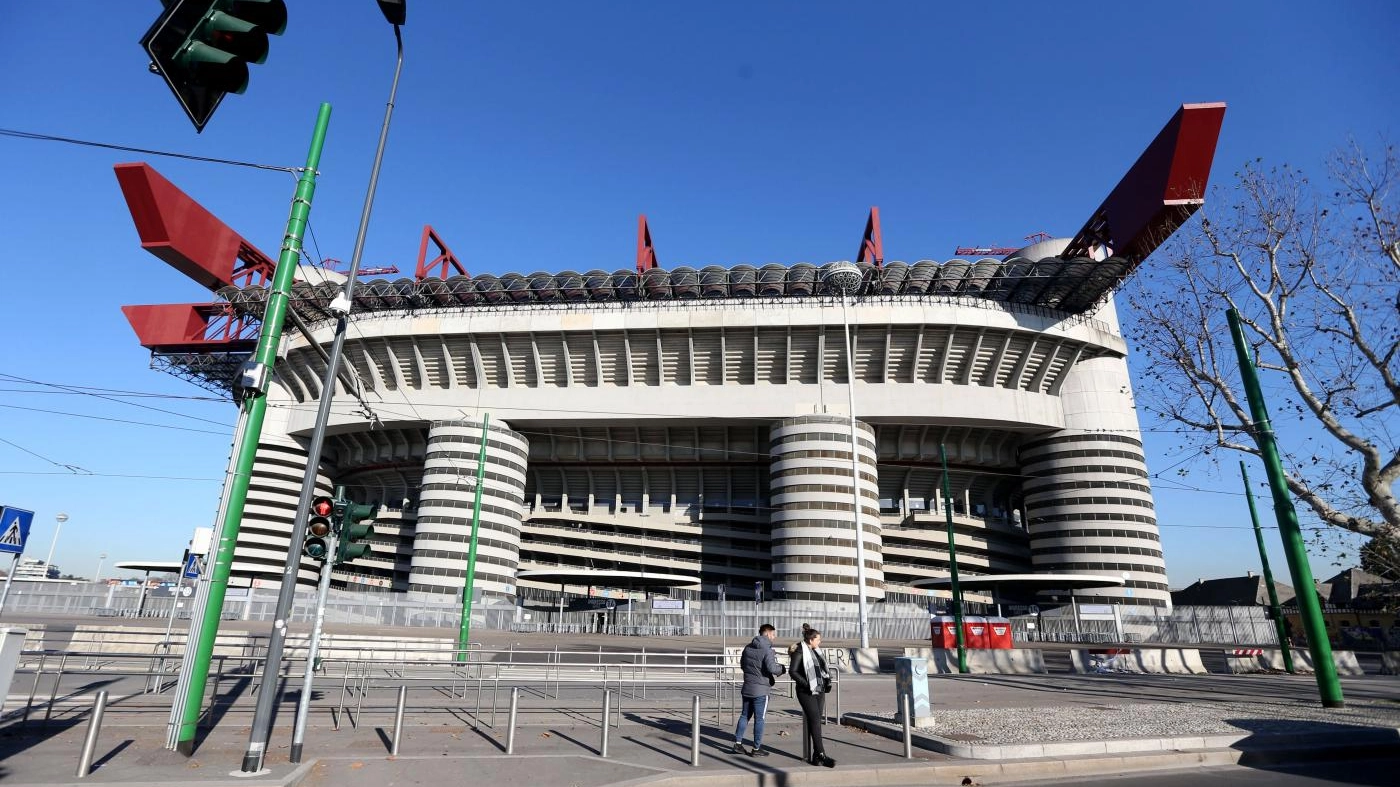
x=202, y=48
x=238, y=37
x=213, y=68
x=353, y=529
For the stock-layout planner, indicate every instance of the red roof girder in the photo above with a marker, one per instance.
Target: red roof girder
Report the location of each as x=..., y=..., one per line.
x=192, y=327
x=1163, y=188
x=444, y=260
x=180, y=231
x=872, y=245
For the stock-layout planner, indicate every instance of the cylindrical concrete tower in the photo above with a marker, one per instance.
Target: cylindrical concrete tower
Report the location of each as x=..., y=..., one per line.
x=443, y=534
x=1088, y=502
x=813, y=546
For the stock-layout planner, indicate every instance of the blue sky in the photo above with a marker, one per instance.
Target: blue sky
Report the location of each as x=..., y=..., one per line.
x=531, y=136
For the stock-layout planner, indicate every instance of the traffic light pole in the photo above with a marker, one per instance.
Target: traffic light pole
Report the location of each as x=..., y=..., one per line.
x=464, y=629
x=1268, y=575
x=953, y=563
x=1329, y=689
x=322, y=590
x=249, y=429
x=269, y=695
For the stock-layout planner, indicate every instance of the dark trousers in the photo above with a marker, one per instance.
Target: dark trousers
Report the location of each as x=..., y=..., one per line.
x=813, y=710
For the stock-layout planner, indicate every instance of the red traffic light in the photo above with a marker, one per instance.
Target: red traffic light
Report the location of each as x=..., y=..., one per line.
x=322, y=506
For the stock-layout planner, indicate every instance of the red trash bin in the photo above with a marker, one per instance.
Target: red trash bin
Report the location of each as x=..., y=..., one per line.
x=943, y=631
x=975, y=631
x=999, y=633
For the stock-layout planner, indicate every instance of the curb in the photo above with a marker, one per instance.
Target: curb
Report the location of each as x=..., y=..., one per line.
x=896, y=775
x=1253, y=745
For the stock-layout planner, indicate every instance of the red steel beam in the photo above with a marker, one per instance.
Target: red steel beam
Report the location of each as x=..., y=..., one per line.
x=191, y=327
x=445, y=258
x=178, y=230
x=872, y=246
x=646, y=252
x=1159, y=193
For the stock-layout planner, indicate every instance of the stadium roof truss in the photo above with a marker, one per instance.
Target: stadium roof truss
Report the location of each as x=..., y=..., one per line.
x=206, y=342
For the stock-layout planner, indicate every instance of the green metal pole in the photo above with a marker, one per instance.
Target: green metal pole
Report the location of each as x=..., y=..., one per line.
x=469, y=587
x=254, y=407
x=1268, y=574
x=1329, y=689
x=953, y=563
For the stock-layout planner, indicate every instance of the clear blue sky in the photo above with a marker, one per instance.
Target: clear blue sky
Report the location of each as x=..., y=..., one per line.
x=531, y=136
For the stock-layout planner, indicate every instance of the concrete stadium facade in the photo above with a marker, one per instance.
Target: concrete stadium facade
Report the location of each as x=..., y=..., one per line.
x=707, y=432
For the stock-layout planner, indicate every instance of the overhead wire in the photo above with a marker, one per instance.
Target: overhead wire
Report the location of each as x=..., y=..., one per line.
x=88, y=473
x=17, y=378
x=72, y=469
x=30, y=135
x=118, y=420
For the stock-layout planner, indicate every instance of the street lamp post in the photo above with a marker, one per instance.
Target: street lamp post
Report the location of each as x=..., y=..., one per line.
x=261, y=729
x=48, y=561
x=845, y=279
x=102, y=558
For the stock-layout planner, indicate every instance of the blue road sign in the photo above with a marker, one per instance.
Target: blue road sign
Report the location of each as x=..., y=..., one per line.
x=14, y=529
x=194, y=564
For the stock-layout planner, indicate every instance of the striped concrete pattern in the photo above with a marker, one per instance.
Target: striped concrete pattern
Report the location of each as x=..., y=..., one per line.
x=1089, y=510
x=813, y=547
x=445, y=508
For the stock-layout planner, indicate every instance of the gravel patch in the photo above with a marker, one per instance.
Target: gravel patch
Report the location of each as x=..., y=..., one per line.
x=997, y=726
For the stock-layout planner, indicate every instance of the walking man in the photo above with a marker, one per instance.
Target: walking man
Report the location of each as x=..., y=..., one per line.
x=761, y=671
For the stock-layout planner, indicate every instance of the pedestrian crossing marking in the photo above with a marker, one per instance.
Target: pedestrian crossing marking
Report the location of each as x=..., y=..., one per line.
x=12, y=536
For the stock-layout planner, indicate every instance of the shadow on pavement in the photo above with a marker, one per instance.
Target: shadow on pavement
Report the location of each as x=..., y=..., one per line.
x=1353, y=743
x=118, y=749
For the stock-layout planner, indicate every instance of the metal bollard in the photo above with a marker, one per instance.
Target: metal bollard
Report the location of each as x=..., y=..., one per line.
x=398, y=721
x=99, y=706
x=607, y=723
x=695, y=731
x=510, y=731
x=836, y=694
x=908, y=727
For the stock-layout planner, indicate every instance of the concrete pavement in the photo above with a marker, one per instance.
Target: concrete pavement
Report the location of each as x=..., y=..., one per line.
x=446, y=740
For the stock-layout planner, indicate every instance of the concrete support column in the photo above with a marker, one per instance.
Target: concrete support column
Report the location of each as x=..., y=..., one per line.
x=443, y=534
x=813, y=546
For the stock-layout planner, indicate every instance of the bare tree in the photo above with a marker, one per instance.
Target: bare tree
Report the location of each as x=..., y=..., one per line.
x=1316, y=280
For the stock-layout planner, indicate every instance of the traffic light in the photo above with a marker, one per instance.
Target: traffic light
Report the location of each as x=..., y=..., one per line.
x=353, y=531
x=202, y=48
x=318, y=529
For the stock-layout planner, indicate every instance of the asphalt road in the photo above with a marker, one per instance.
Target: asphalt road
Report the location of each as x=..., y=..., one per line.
x=1380, y=773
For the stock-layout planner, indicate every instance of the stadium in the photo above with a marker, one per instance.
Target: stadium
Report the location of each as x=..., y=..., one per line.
x=698, y=424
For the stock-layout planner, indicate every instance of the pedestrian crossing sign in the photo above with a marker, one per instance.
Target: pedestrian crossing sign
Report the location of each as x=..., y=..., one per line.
x=194, y=565
x=14, y=529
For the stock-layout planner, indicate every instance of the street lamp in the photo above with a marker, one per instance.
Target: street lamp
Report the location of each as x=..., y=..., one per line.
x=48, y=562
x=395, y=13
x=102, y=558
x=845, y=279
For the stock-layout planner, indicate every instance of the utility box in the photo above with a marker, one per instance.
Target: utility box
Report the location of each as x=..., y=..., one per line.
x=11, y=643
x=911, y=681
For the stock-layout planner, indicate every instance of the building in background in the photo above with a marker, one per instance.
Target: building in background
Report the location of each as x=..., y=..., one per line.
x=34, y=568
x=696, y=421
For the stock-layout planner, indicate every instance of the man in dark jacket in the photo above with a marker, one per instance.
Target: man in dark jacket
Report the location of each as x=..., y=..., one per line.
x=761, y=669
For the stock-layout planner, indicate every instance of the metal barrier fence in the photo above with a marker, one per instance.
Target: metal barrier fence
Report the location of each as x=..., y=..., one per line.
x=1241, y=625
x=652, y=689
